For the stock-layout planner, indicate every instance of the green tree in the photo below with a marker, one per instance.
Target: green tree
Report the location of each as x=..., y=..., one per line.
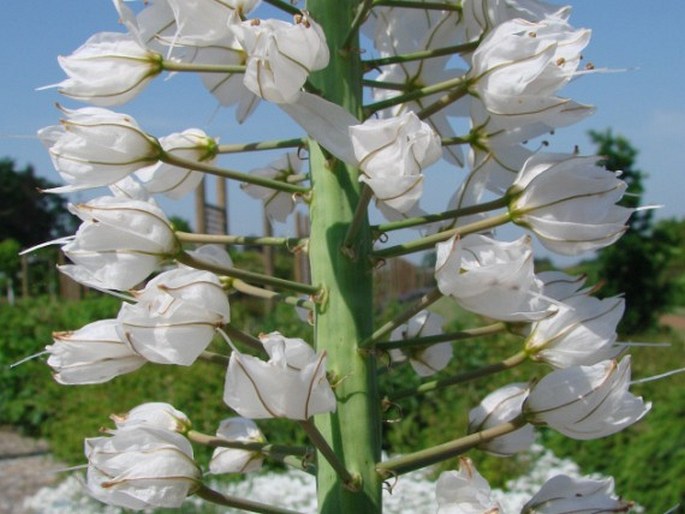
x=635, y=266
x=28, y=215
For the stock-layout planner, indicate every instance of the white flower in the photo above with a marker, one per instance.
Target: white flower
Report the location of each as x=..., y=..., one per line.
x=563, y=494
x=174, y=181
x=96, y=147
x=109, y=69
x=465, y=491
x=277, y=204
x=502, y=406
x=119, y=243
x=91, y=355
x=518, y=69
x=281, y=55
x=392, y=153
x=481, y=16
x=491, y=278
x=233, y=460
x=175, y=317
x=292, y=384
x=586, y=402
x=569, y=202
x=429, y=360
x=581, y=332
x=141, y=467
x=153, y=414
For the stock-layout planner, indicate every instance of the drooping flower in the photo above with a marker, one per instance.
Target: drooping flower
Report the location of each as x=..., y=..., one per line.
x=234, y=460
x=91, y=355
x=491, y=278
x=429, y=360
x=281, y=55
x=96, y=147
x=109, y=69
x=119, y=243
x=392, y=154
x=153, y=414
x=563, y=495
x=291, y=384
x=141, y=467
x=175, y=316
x=175, y=181
x=586, y=402
x=465, y=491
x=581, y=332
x=569, y=202
x=277, y=204
x=518, y=70
x=502, y=406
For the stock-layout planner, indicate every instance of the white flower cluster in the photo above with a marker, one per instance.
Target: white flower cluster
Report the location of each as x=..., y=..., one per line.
x=516, y=56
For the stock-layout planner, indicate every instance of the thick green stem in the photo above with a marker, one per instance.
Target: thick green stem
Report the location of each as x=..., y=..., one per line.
x=353, y=431
x=234, y=175
x=485, y=371
x=284, y=6
x=470, y=333
x=423, y=458
x=430, y=241
x=247, y=276
x=213, y=496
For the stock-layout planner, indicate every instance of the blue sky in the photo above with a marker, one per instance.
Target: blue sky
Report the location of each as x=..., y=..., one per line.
x=646, y=103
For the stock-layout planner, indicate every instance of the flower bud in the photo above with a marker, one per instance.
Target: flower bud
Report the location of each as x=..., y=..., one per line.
x=96, y=147
x=119, y=243
x=109, y=69
x=174, y=181
x=91, y=355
